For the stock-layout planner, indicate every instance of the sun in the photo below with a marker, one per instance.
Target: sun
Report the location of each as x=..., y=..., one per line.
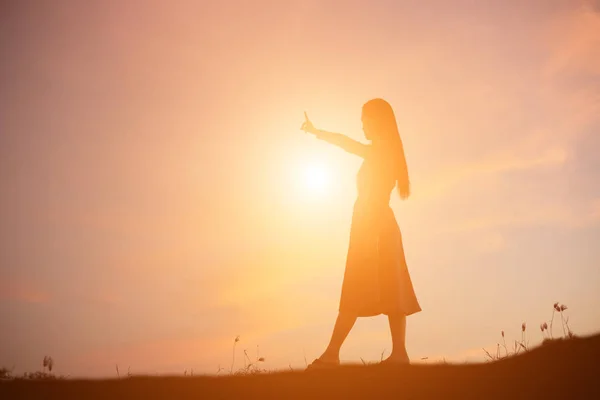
x=316, y=178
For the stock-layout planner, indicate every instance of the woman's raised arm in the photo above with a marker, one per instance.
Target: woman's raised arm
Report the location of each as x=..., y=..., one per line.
x=342, y=141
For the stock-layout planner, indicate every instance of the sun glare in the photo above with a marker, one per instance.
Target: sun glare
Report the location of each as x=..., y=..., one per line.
x=316, y=178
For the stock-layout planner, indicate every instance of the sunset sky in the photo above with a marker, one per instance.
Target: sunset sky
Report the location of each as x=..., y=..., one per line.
x=154, y=199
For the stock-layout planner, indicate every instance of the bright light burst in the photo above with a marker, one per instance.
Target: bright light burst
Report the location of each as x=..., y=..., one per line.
x=316, y=178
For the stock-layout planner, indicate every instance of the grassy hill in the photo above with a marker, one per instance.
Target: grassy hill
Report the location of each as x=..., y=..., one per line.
x=565, y=369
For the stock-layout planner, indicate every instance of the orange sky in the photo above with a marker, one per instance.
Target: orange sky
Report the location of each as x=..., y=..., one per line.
x=152, y=199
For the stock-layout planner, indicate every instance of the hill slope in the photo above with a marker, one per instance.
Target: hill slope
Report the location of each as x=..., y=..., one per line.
x=564, y=369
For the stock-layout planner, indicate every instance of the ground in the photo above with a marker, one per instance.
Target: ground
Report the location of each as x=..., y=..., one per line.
x=565, y=369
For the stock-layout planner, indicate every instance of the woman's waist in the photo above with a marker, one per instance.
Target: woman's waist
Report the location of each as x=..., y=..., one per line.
x=372, y=202
x=373, y=216
x=372, y=208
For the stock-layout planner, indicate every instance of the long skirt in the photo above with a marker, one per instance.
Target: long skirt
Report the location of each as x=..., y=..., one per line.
x=376, y=279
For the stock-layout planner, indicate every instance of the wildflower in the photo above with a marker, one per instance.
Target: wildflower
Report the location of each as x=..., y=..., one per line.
x=556, y=306
x=523, y=326
x=545, y=326
x=262, y=359
x=563, y=307
x=542, y=327
x=502, y=333
x=237, y=339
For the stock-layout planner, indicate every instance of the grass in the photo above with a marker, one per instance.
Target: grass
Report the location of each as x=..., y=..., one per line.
x=523, y=344
x=45, y=373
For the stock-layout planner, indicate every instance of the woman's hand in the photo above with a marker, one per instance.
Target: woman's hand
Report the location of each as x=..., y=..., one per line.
x=307, y=126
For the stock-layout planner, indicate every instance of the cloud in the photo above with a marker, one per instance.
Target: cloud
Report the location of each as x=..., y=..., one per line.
x=102, y=296
x=492, y=242
x=543, y=159
x=203, y=343
x=595, y=210
x=536, y=150
x=170, y=355
x=543, y=215
x=572, y=70
x=574, y=38
x=22, y=291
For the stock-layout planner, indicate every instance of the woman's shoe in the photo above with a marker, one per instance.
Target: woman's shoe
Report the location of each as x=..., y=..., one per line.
x=320, y=364
x=391, y=361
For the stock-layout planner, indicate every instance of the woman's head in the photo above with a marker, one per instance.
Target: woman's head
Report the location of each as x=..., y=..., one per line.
x=378, y=120
x=379, y=123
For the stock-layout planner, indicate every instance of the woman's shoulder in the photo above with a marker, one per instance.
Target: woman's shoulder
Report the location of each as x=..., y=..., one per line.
x=382, y=153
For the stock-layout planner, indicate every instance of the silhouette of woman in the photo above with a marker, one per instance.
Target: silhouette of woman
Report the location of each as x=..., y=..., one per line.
x=376, y=279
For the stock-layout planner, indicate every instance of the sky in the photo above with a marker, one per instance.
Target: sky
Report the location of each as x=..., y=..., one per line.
x=154, y=198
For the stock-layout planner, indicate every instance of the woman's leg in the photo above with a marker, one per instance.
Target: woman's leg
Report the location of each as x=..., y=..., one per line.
x=398, y=330
x=343, y=325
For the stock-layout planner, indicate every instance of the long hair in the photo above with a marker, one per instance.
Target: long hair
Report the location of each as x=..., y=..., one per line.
x=381, y=111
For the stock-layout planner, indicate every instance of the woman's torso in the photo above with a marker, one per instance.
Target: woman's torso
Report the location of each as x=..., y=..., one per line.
x=375, y=180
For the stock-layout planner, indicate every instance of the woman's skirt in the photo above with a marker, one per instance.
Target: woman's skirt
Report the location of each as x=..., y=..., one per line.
x=376, y=279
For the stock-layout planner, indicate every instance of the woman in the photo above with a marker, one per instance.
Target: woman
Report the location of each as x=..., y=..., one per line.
x=376, y=279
